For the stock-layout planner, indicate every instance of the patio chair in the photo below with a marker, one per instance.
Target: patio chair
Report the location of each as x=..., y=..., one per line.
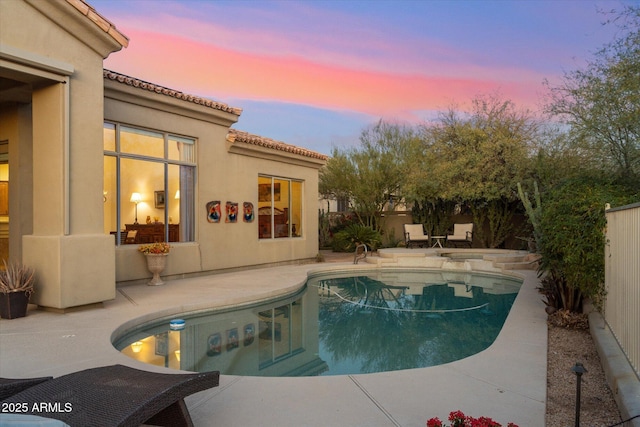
x=462, y=234
x=117, y=396
x=414, y=235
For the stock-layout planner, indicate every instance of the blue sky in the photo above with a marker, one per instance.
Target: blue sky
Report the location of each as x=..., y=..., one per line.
x=316, y=73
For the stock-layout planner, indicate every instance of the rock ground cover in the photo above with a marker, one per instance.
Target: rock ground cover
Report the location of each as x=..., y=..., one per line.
x=571, y=342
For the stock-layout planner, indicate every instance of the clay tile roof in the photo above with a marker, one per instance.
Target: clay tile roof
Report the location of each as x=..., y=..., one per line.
x=247, y=138
x=152, y=87
x=102, y=22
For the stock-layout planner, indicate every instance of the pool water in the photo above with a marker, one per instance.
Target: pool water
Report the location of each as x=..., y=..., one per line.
x=340, y=324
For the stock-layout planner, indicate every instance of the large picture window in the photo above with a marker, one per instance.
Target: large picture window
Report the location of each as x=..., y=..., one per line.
x=279, y=207
x=148, y=185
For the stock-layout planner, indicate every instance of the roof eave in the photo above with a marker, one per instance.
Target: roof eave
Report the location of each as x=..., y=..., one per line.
x=84, y=23
x=240, y=142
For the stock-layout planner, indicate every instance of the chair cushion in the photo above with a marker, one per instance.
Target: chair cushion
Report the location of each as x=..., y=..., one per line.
x=19, y=420
x=415, y=231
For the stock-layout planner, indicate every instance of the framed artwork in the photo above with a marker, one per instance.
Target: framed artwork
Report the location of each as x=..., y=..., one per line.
x=249, y=334
x=232, y=339
x=232, y=212
x=213, y=211
x=214, y=344
x=158, y=199
x=264, y=192
x=162, y=344
x=247, y=212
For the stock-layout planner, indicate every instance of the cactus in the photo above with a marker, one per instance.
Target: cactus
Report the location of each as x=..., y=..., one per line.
x=532, y=212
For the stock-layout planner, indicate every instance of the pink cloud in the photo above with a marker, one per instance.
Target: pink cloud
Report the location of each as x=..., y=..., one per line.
x=212, y=71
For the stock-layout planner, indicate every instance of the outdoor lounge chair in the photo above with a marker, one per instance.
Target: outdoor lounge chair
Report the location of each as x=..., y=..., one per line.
x=414, y=235
x=10, y=386
x=462, y=234
x=116, y=396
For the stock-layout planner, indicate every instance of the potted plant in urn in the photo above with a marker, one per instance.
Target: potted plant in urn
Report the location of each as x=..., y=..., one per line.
x=16, y=286
x=156, y=254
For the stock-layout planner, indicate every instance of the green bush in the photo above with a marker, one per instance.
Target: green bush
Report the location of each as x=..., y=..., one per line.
x=354, y=234
x=572, y=224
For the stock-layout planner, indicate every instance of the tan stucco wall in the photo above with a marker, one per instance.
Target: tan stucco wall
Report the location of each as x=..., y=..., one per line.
x=57, y=163
x=61, y=52
x=222, y=176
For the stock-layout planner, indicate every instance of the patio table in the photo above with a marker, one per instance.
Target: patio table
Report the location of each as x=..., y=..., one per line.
x=439, y=240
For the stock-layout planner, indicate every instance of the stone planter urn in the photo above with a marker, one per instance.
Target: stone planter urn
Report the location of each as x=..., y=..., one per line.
x=156, y=255
x=156, y=264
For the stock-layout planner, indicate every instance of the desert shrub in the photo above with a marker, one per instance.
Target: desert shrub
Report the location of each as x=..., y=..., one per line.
x=572, y=239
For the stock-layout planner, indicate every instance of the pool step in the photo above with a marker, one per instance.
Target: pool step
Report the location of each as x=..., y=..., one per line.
x=492, y=262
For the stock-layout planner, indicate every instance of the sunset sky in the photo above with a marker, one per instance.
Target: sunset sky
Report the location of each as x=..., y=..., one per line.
x=315, y=73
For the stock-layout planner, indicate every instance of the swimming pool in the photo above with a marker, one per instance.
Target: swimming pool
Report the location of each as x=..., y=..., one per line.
x=340, y=323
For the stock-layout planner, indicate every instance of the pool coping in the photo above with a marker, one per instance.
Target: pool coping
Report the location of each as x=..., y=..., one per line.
x=506, y=382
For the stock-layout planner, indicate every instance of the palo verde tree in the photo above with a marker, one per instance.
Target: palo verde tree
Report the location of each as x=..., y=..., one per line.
x=601, y=103
x=368, y=175
x=600, y=158
x=477, y=159
x=422, y=189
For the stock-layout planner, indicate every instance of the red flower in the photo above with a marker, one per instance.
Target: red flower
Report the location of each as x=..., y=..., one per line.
x=458, y=419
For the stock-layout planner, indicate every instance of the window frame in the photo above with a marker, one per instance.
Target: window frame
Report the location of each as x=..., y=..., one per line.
x=119, y=155
x=294, y=332
x=272, y=223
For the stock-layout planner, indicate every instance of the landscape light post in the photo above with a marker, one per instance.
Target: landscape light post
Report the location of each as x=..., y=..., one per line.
x=578, y=369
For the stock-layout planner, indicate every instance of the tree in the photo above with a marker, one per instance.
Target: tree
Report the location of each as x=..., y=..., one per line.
x=601, y=103
x=477, y=160
x=371, y=173
x=557, y=158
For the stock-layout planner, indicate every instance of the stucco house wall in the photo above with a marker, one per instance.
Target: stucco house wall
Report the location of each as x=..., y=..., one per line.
x=54, y=101
x=227, y=170
x=52, y=52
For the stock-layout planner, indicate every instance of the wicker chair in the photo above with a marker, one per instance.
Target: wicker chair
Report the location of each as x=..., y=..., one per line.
x=117, y=396
x=10, y=386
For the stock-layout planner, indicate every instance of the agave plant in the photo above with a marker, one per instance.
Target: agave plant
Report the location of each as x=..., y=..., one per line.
x=16, y=277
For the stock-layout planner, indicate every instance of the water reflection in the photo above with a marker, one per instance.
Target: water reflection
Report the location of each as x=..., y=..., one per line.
x=340, y=325
x=385, y=328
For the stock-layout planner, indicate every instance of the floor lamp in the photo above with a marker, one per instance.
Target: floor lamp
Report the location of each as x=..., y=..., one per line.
x=136, y=198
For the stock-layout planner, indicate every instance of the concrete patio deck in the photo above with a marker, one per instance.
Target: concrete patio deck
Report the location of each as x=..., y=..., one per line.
x=506, y=382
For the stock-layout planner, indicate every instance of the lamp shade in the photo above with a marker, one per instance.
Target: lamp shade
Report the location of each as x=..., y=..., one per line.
x=136, y=197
